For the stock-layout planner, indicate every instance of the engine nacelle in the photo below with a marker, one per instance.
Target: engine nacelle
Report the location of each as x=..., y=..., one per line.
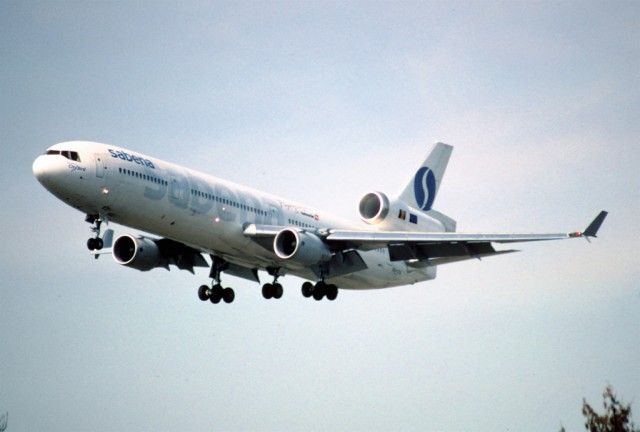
x=301, y=247
x=138, y=252
x=376, y=208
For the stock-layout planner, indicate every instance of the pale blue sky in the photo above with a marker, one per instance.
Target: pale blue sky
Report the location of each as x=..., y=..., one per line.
x=322, y=102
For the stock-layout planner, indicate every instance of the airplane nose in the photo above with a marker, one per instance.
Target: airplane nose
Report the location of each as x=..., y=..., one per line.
x=45, y=169
x=38, y=167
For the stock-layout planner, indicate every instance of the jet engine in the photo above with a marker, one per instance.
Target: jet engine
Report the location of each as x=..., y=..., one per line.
x=300, y=247
x=374, y=207
x=139, y=253
x=377, y=209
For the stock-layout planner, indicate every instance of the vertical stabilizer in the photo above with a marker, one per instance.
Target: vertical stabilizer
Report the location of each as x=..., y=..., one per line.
x=423, y=187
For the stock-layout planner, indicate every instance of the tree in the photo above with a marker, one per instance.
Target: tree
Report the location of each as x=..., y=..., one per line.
x=616, y=417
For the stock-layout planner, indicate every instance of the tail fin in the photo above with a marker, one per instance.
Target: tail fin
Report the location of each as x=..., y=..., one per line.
x=421, y=191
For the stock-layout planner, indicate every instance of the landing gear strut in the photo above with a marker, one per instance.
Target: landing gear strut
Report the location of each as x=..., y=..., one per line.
x=216, y=293
x=273, y=290
x=95, y=243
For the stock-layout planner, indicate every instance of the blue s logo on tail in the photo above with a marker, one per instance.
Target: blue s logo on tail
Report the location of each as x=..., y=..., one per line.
x=424, y=188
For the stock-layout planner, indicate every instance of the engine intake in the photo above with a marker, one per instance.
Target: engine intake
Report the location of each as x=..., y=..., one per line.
x=374, y=207
x=301, y=247
x=138, y=252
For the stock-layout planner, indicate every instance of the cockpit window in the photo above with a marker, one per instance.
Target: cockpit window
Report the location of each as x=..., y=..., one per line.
x=71, y=155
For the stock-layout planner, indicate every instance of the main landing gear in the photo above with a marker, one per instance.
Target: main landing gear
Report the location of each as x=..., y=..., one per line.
x=320, y=290
x=273, y=290
x=95, y=243
x=216, y=293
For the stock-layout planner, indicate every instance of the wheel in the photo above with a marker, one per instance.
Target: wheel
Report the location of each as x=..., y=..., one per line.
x=307, y=289
x=99, y=243
x=91, y=244
x=267, y=291
x=228, y=295
x=216, y=294
x=319, y=291
x=203, y=293
x=277, y=291
x=332, y=292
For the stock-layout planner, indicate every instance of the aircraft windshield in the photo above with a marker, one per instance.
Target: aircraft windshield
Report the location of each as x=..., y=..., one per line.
x=71, y=155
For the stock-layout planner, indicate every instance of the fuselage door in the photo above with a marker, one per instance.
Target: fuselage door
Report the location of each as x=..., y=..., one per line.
x=100, y=166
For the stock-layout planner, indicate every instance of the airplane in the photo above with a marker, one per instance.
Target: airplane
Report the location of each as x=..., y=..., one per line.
x=244, y=231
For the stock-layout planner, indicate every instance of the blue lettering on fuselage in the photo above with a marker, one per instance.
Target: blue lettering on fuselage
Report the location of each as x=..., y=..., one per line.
x=178, y=190
x=119, y=154
x=186, y=191
x=74, y=168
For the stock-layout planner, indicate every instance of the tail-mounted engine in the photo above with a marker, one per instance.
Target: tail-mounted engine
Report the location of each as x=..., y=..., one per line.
x=139, y=253
x=377, y=209
x=301, y=247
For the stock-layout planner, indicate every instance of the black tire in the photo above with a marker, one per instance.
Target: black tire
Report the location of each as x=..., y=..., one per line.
x=228, y=295
x=91, y=244
x=267, y=291
x=99, y=244
x=332, y=292
x=203, y=293
x=307, y=289
x=216, y=294
x=319, y=291
x=278, y=291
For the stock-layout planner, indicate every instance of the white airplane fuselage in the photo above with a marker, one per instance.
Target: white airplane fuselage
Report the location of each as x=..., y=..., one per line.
x=199, y=210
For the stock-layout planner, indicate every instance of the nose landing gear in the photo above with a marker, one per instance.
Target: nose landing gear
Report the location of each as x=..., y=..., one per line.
x=98, y=242
x=95, y=243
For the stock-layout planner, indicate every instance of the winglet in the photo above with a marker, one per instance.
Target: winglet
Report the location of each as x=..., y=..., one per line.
x=594, y=226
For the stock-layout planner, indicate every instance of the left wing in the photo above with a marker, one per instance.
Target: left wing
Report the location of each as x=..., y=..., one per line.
x=441, y=248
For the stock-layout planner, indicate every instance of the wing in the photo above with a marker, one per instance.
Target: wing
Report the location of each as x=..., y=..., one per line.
x=442, y=248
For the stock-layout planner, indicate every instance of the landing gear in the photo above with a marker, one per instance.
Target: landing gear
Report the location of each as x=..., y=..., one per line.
x=216, y=293
x=320, y=290
x=273, y=290
x=331, y=292
x=307, y=289
x=203, y=293
x=270, y=291
x=95, y=243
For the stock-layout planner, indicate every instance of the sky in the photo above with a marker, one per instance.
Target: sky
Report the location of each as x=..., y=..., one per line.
x=322, y=102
